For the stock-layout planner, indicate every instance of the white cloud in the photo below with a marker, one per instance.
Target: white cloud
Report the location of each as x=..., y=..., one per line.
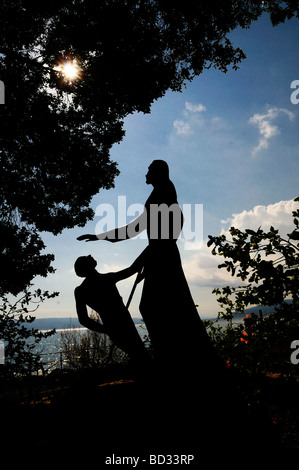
x=107, y=268
x=267, y=129
x=279, y=215
x=191, y=113
x=182, y=128
x=193, y=108
x=202, y=270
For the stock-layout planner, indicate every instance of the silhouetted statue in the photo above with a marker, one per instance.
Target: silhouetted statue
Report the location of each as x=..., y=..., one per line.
x=98, y=291
x=178, y=336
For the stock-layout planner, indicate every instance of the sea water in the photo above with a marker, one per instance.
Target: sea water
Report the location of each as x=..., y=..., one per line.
x=51, y=349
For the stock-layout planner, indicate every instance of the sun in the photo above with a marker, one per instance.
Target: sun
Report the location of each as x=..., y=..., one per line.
x=69, y=69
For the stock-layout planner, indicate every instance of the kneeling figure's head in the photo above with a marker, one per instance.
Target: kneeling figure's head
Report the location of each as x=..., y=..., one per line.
x=84, y=265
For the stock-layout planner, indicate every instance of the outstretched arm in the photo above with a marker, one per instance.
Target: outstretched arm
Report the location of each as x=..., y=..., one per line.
x=83, y=315
x=136, y=267
x=122, y=233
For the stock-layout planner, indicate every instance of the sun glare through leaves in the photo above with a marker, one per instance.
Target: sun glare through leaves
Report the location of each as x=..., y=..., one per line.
x=69, y=69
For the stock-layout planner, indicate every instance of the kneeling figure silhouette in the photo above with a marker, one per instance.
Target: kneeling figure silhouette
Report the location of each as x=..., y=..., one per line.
x=99, y=292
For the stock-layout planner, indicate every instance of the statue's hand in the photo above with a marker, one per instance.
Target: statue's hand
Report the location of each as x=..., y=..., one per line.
x=87, y=238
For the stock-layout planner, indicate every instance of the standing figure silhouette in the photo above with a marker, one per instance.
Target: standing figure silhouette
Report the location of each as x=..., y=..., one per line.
x=178, y=336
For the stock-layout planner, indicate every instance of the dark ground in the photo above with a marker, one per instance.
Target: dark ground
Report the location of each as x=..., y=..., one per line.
x=101, y=413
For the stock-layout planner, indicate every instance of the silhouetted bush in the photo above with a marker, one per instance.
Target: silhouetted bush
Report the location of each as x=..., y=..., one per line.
x=267, y=263
x=89, y=349
x=19, y=339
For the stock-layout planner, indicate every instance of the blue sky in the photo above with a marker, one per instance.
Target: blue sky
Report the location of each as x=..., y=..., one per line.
x=231, y=142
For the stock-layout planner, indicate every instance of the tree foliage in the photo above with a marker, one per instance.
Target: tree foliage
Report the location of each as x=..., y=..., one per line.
x=20, y=255
x=19, y=339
